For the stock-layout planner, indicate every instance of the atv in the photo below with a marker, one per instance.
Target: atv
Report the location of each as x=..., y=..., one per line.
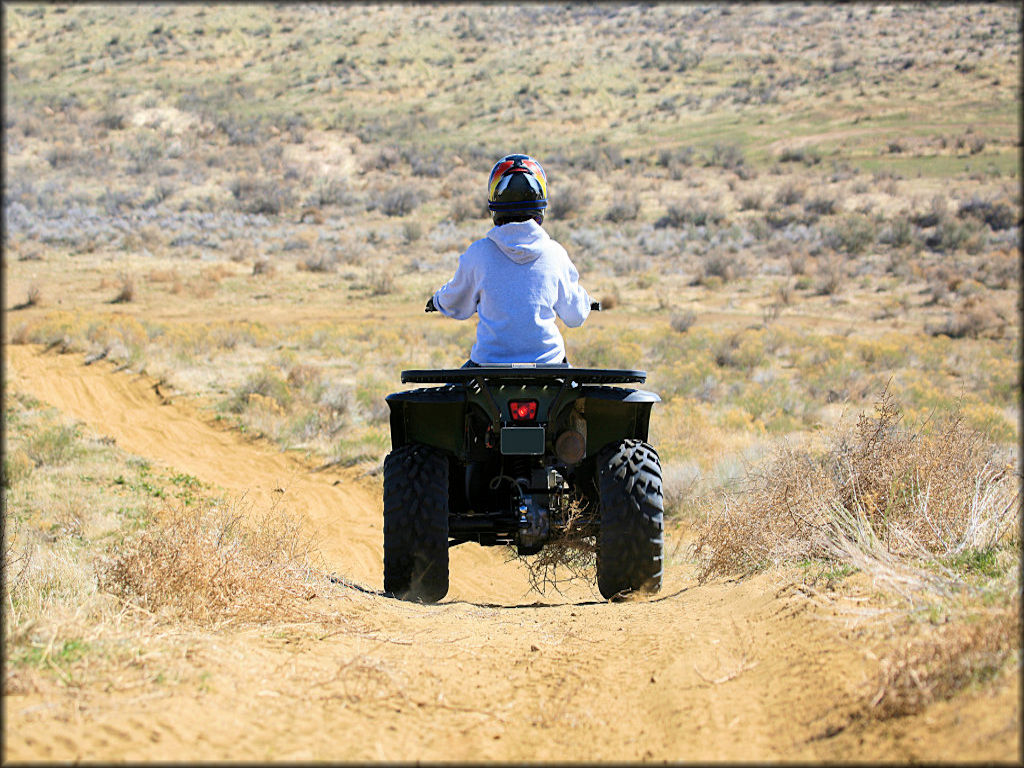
x=504, y=455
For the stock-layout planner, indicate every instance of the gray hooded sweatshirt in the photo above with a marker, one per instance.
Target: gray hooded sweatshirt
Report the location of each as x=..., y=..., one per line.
x=517, y=279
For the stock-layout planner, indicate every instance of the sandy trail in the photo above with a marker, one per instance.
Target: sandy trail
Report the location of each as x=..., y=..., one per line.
x=344, y=512
x=720, y=671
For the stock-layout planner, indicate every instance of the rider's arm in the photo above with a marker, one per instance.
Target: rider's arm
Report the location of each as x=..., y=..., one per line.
x=573, y=305
x=459, y=296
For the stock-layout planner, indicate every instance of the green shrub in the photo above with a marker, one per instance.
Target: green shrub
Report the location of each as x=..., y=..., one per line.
x=267, y=382
x=623, y=210
x=260, y=195
x=853, y=235
x=569, y=201
x=53, y=445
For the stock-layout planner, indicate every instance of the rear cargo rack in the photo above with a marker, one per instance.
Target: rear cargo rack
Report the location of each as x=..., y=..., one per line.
x=523, y=373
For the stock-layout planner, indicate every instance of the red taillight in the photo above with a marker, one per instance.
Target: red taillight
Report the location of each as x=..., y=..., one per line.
x=523, y=410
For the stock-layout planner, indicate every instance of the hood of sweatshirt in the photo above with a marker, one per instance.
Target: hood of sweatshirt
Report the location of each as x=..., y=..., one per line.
x=521, y=241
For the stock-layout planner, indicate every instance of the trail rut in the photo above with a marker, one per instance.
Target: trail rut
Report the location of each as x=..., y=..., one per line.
x=725, y=670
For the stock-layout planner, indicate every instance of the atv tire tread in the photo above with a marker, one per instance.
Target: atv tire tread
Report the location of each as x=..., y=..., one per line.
x=416, y=523
x=630, y=550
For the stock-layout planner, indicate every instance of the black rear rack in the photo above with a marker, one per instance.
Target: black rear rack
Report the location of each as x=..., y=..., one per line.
x=525, y=372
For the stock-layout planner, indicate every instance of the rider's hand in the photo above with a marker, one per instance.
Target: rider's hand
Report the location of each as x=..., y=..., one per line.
x=431, y=306
x=595, y=306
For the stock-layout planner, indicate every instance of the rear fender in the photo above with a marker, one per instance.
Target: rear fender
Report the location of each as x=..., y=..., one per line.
x=611, y=414
x=431, y=416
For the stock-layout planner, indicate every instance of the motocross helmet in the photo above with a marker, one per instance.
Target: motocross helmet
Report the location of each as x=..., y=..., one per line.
x=517, y=190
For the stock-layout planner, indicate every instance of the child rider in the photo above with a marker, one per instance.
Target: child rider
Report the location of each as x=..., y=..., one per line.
x=516, y=278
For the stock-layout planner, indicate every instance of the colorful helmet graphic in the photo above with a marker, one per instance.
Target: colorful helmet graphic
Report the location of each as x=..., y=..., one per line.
x=517, y=187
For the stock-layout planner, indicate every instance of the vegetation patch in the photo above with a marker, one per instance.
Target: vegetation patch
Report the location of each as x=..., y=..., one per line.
x=98, y=545
x=936, y=664
x=933, y=490
x=204, y=564
x=928, y=513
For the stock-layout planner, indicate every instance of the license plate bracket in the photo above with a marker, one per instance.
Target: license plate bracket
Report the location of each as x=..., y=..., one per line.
x=522, y=441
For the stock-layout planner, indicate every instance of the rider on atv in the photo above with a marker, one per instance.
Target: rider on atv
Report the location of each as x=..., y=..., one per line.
x=516, y=278
x=517, y=446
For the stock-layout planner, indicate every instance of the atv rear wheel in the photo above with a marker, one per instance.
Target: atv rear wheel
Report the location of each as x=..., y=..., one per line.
x=416, y=523
x=630, y=541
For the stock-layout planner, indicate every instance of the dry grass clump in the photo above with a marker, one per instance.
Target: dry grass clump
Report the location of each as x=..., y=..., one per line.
x=126, y=289
x=467, y=207
x=205, y=565
x=305, y=406
x=216, y=272
x=53, y=444
x=58, y=508
x=752, y=200
x=681, y=322
x=720, y=267
x=972, y=318
x=937, y=664
x=263, y=266
x=790, y=193
x=172, y=275
x=997, y=214
x=380, y=279
x=693, y=211
x=76, y=608
x=612, y=299
x=570, y=554
x=33, y=297
x=319, y=262
x=266, y=383
x=399, y=201
x=572, y=200
x=626, y=209
x=681, y=486
x=944, y=487
x=935, y=492
x=261, y=195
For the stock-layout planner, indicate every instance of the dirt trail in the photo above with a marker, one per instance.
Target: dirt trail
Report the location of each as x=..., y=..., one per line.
x=344, y=512
x=720, y=671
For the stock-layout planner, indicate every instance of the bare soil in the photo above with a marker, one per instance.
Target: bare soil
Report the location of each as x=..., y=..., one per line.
x=745, y=670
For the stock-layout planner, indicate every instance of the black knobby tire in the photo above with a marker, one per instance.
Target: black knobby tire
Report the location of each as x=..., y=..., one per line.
x=416, y=523
x=630, y=542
